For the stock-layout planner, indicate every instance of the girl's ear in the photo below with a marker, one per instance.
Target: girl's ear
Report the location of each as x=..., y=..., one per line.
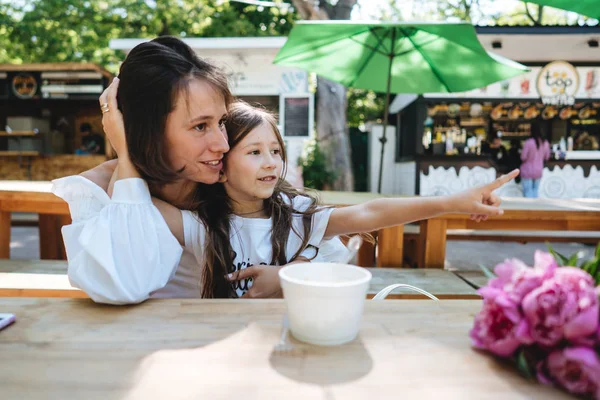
x=222, y=177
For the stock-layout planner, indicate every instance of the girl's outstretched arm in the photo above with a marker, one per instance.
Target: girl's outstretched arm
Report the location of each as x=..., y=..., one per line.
x=376, y=214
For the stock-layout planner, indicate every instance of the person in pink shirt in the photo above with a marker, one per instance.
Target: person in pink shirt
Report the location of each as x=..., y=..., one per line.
x=536, y=150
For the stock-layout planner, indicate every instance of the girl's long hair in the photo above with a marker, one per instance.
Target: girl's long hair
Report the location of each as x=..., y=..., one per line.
x=538, y=135
x=214, y=209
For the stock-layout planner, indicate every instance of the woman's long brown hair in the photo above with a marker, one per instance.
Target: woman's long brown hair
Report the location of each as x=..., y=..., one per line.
x=214, y=210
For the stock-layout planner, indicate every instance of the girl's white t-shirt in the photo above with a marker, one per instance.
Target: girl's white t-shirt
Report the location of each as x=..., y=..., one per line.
x=120, y=250
x=250, y=238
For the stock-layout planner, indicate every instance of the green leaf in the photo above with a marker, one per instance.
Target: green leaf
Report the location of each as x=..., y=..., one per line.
x=587, y=266
x=560, y=259
x=488, y=274
x=523, y=365
x=598, y=251
x=574, y=259
x=594, y=267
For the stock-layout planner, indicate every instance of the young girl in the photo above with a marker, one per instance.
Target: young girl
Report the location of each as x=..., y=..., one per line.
x=254, y=218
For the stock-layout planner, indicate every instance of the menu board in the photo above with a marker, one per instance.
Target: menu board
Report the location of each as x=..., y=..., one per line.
x=34, y=85
x=4, y=84
x=296, y=115
x=71, y=84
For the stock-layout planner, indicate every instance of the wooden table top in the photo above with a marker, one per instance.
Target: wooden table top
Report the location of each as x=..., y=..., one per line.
x=31, y=196
x=223, y=349
x=35, y=278
x=520, y=203
x=26, y=186
x=352, y=198
x=508, y=203
x=348, y=198
x=475, y=278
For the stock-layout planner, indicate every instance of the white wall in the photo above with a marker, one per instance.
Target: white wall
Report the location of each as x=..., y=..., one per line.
x=398, y=178
x=294, y=147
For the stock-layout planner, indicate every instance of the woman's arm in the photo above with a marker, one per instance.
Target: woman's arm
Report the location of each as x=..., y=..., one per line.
x=102, y=174
x=382, y=213
x=121, y=247
x=122, y=168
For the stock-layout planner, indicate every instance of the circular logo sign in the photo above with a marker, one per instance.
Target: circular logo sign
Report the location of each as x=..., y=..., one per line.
x=558, y=83
x=24, y=86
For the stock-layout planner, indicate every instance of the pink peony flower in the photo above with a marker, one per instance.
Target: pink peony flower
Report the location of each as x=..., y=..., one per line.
x=499, y=327
x=577, y=369
x=516, y=279
x=563, y=307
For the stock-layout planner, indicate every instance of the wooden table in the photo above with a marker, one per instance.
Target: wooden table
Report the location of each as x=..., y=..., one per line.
x=390, y=241
x=34, y=197
x=519, y=214
x=223, y=349
x=476, y=279
x=35, y=278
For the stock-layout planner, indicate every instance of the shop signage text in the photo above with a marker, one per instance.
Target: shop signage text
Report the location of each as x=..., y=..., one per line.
x=557, y=84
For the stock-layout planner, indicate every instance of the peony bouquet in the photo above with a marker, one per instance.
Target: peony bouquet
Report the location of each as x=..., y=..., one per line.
x=545, y=318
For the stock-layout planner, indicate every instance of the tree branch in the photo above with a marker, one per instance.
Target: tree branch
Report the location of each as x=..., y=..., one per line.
x=307, y=10
x=540, y=14
x=467, y=10
x=326, y=7
x=343, y=9
x=538, y=20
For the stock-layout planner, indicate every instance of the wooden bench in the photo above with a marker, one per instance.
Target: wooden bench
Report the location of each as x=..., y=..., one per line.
x=42, y=278
x=390, y=241
x=413, y=241
x=519, y=215
x=36, y=278
x=412, y=232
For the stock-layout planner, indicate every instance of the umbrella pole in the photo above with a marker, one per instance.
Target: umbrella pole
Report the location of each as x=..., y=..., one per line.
x=383, y=139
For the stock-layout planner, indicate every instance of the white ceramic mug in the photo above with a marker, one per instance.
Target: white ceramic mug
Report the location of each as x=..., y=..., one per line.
x=324, y=301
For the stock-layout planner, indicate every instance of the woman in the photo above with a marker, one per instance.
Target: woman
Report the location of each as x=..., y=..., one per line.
x=119, y=246
x=536, y=150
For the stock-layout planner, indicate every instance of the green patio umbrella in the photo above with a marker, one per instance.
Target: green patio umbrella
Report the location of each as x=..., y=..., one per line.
x=395, y=58
x=590, y=8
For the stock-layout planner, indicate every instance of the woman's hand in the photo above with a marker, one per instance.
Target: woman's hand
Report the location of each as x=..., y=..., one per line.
x=114, y=127
x=112, y=120
x=265, y=280
x=480, y=202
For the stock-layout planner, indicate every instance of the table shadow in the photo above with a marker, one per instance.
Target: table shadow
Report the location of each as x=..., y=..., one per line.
x=323, y=365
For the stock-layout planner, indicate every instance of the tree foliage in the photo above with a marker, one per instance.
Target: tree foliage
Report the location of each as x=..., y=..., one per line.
x=80, y=30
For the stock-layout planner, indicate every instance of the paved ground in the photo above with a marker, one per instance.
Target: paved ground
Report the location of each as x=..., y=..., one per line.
x=24, y=243
x=463, y=255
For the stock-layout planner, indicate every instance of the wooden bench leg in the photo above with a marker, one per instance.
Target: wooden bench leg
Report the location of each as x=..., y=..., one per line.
x=366, y=255
x=433, y=239
x=4, y=234
x=390, y=242
x=51, y=243
x=63, y=220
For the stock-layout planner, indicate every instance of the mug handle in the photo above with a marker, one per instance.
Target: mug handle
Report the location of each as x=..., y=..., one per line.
x=383, y=293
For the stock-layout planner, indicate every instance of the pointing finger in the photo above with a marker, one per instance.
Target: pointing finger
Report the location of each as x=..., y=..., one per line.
x=504, y=179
